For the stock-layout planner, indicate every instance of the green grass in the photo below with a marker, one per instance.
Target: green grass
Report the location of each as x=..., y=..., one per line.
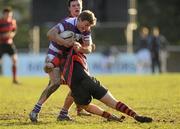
x=157, y=96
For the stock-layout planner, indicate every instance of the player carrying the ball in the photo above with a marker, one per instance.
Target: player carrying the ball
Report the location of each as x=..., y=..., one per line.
x=75, y=8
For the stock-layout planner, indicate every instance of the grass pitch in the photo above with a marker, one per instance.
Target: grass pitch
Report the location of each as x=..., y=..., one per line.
x=157, y=96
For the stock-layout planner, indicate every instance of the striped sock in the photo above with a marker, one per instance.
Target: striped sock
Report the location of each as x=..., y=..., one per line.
x=79, y=109
x=106, y=114
x=37, y=108
x=63, y=112
x=125, y=109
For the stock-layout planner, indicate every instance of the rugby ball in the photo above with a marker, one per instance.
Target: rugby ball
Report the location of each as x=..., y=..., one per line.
x=67, y=34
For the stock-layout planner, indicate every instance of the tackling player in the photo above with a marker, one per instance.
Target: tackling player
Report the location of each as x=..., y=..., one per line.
x=75, y=8
x=7, y=32
x=83, y=86
x=81, y=28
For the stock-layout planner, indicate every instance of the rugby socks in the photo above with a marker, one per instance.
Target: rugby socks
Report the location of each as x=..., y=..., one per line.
x=125, y=109
x=63, y=112
x=79, y=109
x=37, y=108
x=106, y=114
x=14, y=72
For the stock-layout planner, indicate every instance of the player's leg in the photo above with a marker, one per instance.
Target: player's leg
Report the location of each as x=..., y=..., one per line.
x=53, y=85
x=1, y=54
x=63, y=114
x=110, y=101
x=83, y=99
x=0, y=63
x=153, y=65
x=94, y=88
x=14, y=68
x=159, y=63
x=81, y=111
x=81, y=92
x=12, y=51
x=94, y=109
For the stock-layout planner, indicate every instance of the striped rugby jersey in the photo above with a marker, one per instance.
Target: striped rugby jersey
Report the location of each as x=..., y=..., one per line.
x=5, y=27
x=70, y=25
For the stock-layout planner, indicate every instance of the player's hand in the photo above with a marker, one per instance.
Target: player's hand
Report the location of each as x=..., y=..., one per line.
x=93, y=47
x=77, y=46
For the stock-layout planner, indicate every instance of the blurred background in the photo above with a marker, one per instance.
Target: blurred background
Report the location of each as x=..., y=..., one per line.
x=119, y=34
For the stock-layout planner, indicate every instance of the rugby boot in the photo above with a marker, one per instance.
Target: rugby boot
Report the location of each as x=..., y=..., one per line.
x=16, y=82
x=143, y=119
x=33, y=116
x=62, y=117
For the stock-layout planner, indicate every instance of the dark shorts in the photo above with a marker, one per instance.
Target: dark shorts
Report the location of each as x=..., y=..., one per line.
x=84, y=87
x=9, y=49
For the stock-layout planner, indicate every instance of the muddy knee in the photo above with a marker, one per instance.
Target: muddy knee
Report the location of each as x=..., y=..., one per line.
x=52, y=87
x=54, y=83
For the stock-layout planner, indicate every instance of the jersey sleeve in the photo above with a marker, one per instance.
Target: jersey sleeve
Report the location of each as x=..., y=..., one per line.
x=87, y=38
x=59, y=27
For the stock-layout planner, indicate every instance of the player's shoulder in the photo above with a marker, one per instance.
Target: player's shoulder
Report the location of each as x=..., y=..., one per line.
x=71, y=20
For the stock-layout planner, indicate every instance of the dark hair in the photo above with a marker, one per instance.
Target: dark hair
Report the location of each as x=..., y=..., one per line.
x=7, y=9
x=69, y=2
x=89, y=16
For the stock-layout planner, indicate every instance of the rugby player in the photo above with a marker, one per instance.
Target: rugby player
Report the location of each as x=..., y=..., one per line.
x=7, y=32
x=75, y=8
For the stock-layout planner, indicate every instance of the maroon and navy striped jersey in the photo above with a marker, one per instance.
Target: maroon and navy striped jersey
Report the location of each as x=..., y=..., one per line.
x=5, y=27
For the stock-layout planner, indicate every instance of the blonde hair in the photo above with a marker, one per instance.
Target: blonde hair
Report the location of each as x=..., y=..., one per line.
x=89, y=16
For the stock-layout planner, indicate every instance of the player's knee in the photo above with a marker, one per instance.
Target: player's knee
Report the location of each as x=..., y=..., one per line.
x=55, y=79
x=54, y=85
x=48, y=67
x=53, y=88
x=57, y=82
x=83, y=102
x=14, y=62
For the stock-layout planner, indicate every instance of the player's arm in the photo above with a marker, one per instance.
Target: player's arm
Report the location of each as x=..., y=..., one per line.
x=53, y=35
x=13, y=32
x=87, y=45
x=9, y=34
x=86, y=48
